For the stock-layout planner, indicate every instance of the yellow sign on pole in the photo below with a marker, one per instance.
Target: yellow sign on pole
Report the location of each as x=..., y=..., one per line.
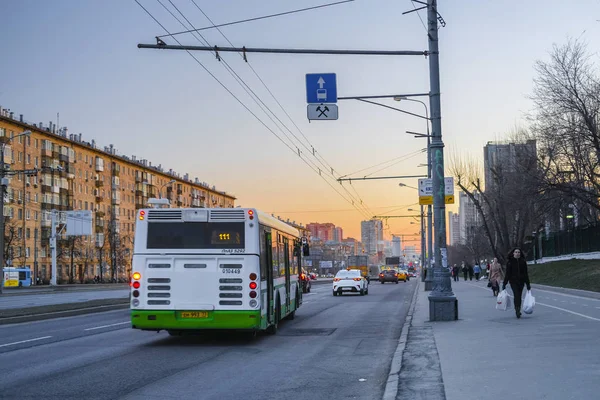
x=425, y=200
x=449, y=199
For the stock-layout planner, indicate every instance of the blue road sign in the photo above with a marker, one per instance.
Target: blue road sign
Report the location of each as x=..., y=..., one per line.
x=321, y=88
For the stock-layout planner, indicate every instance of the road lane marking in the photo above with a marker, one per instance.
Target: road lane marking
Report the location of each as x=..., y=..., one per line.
x=569, y=311
x=557, y=308
x=107, y=326
x=25, y=341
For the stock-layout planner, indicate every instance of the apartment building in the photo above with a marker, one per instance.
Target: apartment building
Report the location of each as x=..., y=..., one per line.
x=73, y=174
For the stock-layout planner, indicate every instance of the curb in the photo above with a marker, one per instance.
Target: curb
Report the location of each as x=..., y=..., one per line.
x=13, y=316
x=391, y=387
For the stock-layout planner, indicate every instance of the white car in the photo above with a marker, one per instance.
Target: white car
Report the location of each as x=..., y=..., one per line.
x=350, y=281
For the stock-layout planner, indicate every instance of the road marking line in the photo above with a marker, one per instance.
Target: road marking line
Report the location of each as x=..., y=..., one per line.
x=557, y=308
x=106, y=326
x=566, y=294
x=569, y=311
x=25, y=341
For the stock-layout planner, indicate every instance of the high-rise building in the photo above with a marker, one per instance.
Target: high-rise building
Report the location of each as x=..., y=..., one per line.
x=396, y=246
x=468, y=216
x=325, y=231
x=371, y=234
x=454, y=228
x=338, y=234
x=63, y=173
x=504, y=156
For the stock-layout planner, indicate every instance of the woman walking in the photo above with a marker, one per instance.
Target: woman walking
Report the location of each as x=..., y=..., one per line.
x=516, y=274
x=496, y=276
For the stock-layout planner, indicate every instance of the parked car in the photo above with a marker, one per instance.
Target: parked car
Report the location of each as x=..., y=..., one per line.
x=350, y=281
x=389, y=275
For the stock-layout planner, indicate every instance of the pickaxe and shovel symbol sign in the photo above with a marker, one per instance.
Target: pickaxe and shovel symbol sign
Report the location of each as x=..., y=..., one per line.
x=322, y=111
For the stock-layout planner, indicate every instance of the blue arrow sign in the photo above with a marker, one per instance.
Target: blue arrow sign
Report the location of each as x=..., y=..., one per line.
x=321, y=88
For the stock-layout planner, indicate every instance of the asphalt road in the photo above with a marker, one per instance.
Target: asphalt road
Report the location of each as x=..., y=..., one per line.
x=52, y=298
x=337, y=347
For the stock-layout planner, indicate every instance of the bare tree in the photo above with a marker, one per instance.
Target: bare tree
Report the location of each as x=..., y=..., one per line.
x=510, y=204
x=13, y=243
x=70, y=252
x=565, y=121
x=87, y=257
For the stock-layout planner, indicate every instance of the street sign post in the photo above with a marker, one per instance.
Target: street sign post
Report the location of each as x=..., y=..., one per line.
x=321, y=88
x=322, y=111
x=321, y=94
x=426, y=191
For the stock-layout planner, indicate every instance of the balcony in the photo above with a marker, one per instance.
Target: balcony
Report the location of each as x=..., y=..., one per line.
x=100, y=214
x=99, y=183
x=116, y=200
x=46, y=152
x=116, y=170
x=140, y=193
x=63, y=157
x=99, y=228
x=99, y=199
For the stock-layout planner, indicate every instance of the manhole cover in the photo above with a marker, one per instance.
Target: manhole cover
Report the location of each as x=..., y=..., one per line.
x=306, y=332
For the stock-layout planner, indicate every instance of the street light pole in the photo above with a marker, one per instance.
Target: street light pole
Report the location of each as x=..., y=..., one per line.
x=443, y=305
x=3, y=184
x=172, y=181
x=428, y=276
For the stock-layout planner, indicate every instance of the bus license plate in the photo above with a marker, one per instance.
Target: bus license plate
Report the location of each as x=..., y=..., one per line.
x=194, y=314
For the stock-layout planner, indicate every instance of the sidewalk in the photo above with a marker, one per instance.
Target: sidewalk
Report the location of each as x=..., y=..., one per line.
x=489, y=354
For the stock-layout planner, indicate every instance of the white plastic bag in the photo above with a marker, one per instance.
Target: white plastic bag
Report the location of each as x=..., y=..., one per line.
x=502, y=301
x=528, y=303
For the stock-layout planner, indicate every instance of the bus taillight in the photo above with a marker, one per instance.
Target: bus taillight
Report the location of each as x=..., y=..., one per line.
x=137, y=276
x=136, y=285
x=142, y=213
x=253, y=276
x=250, y=214
x=253, y=285
x=253, y=294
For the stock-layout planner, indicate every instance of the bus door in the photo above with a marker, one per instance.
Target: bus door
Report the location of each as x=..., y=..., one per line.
x=270, y=287
x=288, y=283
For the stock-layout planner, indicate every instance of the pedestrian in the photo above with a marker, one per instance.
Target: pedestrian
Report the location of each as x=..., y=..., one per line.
x=470, y=272
x=516, y=274
x=455, y=272
x=477, y=271
x=496, y=275
x=465, y=270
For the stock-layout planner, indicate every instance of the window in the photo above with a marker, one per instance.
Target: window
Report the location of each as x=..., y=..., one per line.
x=20, y=232
x=37, y=162
x=28, y=215
x=196, y=235
x=28, y=158
x=36, y=143
x=36, y=215
x=86, y=204
x=20, y=153
x=20, y=139
x=28, y=232
x=20, y=215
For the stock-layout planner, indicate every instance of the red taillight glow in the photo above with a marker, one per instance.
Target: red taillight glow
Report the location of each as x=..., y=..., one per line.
x=137, y=276
x=358, y=279
x=253, y=285
x=253, y=276
x=253, y=294
x=336, y=279
x=251, y=214
x=142, y=213
x=136, y=285
x=303, y=277
x=380, y=274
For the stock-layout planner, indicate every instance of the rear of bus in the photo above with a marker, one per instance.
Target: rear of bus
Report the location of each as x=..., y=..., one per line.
x=196, y=269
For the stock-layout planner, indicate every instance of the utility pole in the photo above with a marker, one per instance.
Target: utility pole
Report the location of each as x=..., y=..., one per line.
x=53, y=247
x=443, y=305
x=429, y=276
x=3, y=184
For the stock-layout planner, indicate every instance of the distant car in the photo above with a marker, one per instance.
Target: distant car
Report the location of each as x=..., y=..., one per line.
x=389, y=275
x=313, y=276
x=350, y=281
x=403, y=275
x=305, y=279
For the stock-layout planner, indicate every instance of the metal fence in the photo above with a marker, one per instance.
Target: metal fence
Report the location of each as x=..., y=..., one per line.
x=578, y=240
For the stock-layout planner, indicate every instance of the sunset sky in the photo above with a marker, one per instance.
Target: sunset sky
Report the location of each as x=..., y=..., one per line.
x=80, y=59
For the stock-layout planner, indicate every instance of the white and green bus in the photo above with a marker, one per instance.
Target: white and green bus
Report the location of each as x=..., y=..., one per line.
x=214, y=269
